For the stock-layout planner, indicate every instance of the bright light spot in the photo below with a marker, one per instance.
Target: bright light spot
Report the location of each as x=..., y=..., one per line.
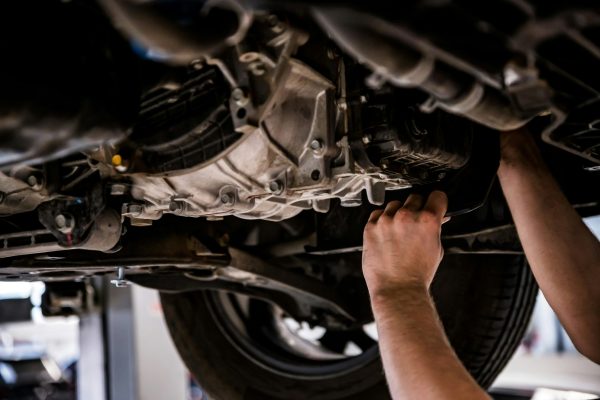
x=304, y=330
x=594, y=224
x=352, y=350
x=551, y=394
x=371, y=331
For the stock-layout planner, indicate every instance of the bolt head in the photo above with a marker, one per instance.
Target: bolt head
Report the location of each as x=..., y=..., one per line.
x=33, y=180
x=64, y=223
x=227, y=198
x=275, y=187
x=60, y=221
x=237, y=94
x=316, y=145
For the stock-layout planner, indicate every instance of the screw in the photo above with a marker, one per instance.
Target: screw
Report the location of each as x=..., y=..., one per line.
x=316, y=145
x=275, y=187
x=120, y=281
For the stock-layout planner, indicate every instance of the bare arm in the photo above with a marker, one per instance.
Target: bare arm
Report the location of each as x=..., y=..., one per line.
x=402, y=251
x=564, y=255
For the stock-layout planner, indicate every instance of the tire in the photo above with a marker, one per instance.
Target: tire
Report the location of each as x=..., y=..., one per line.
x=484, y=302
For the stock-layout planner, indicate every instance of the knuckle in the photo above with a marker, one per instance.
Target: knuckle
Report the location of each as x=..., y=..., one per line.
x=404, y=214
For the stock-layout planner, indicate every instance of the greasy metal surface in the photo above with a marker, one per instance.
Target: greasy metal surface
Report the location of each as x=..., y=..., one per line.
x=103, y=236
x=275, y=171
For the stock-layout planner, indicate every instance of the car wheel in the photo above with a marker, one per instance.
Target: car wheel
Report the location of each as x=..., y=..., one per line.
x=244, y=349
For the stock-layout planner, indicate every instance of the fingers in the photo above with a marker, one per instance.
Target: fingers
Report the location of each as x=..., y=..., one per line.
x=375, y=216
x=392, y=207
x=414, y=202
x=437, y=204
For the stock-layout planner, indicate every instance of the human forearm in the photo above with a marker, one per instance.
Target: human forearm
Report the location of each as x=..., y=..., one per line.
x=563, y=254
x=418, y=360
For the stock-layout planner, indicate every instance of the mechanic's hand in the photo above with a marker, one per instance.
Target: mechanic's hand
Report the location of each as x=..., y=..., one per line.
x=402, y=246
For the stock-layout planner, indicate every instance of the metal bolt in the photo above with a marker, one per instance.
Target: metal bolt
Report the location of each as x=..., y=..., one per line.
x=239, y=97
x=34, y=181
x=316, y=145
x=227, y=198
x=366, y=139
x=60, y=221
x=64, y=223
x=237, y=94
x=118, y=189
x=275, y=187
x=120, y=281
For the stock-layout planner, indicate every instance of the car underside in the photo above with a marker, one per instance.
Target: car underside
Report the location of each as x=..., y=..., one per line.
x=228, y=153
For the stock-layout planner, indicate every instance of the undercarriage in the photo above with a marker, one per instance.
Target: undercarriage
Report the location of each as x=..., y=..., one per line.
x=239, y=146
